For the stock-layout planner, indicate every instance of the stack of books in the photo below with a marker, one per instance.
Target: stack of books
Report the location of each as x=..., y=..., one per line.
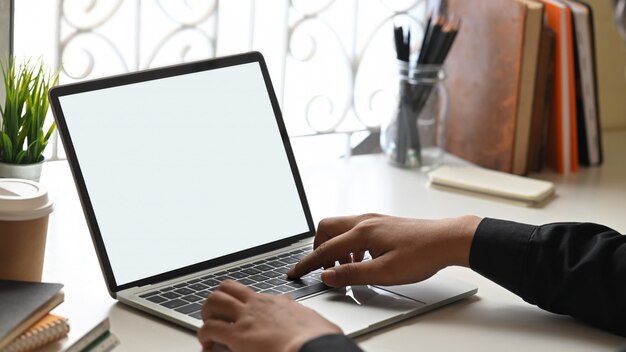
x=27, y=323
x=523, y=85
x=97, y=337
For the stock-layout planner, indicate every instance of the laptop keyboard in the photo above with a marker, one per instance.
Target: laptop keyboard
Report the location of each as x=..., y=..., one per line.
x=264, y=276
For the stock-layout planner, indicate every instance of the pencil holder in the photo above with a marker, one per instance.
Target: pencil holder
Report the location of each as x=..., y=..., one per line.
x=414, y=134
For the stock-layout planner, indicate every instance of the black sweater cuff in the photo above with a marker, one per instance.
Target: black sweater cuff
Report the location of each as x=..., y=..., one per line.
x=339, y=343
x=499, y=252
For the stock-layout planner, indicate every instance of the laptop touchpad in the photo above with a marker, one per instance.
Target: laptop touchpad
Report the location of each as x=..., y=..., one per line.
x=359, y=309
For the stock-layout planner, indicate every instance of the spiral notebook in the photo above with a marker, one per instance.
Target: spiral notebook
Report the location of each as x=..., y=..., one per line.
x=47, y=330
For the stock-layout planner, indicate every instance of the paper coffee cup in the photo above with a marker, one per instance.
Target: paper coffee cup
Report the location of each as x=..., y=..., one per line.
x=24, y=211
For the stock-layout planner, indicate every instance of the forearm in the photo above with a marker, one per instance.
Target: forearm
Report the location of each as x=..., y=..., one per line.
x=577, y=269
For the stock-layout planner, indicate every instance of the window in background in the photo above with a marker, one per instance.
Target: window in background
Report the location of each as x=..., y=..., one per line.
x=332, y=62
x=6, y=32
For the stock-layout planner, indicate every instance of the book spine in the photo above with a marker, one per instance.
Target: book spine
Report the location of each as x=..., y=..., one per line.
x=90, y=337
x=104, y=343
x=587, y=86
x=571, y=93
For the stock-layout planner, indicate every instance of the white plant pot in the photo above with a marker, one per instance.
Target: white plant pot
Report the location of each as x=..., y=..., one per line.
x=28, y=171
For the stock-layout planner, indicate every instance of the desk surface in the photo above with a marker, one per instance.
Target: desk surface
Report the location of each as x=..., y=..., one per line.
x=492, y=320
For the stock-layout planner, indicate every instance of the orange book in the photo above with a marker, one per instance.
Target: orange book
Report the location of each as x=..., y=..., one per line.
x=562, y=146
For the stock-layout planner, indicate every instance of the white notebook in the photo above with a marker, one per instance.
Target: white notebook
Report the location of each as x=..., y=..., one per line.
x=492, y=183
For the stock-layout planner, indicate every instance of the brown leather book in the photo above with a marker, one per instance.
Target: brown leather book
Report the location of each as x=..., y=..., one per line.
x=542, y=107
x=485, y=76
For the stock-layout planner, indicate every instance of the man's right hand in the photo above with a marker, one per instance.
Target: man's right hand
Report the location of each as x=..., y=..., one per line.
x=403, y=250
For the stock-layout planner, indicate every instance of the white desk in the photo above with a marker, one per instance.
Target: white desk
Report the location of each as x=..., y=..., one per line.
x=493, y=320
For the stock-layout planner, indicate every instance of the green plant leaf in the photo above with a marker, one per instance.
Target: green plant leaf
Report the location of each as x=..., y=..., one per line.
x=7, y=148
x=20, y=157
x=23, y=115
x=50, y=131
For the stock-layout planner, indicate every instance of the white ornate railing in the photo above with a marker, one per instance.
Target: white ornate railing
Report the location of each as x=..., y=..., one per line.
x=330, y=61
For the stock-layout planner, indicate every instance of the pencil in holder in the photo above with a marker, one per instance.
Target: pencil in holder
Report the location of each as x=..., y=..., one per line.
x=413, y=136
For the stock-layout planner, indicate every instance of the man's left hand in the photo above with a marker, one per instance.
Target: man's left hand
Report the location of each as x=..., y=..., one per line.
x=243, y=320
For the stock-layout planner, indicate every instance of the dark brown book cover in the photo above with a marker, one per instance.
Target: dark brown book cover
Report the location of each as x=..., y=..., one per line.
x=483, y=81
x=542, y=102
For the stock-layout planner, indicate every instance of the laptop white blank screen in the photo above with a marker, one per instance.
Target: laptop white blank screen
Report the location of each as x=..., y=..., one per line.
x=183, y=169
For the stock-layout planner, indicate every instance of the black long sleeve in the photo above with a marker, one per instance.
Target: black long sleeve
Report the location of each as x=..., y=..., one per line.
x=578, y=269
x=335, y=343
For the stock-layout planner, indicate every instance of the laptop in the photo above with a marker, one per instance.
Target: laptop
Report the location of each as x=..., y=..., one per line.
x=187, y=177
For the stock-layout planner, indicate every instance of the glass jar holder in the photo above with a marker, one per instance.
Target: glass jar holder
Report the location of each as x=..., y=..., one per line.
x=414, y=135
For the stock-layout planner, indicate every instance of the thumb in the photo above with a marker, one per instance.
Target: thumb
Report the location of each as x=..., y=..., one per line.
x=358, y=273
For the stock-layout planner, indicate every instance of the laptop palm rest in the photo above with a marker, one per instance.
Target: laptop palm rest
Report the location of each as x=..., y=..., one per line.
x=360, y=309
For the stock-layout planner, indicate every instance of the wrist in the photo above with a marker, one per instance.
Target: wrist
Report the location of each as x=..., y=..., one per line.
x=295, y=345
x=461, y=236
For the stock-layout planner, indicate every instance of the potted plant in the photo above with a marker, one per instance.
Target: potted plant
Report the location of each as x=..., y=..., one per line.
x=23, y=136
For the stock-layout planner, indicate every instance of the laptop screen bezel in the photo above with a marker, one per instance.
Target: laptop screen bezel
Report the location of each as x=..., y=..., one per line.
x=160, y=73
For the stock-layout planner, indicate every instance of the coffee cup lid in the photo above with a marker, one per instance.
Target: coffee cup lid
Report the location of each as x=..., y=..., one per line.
x=23, y=200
